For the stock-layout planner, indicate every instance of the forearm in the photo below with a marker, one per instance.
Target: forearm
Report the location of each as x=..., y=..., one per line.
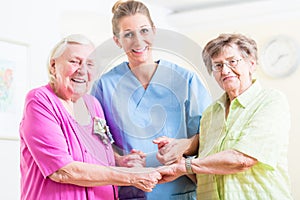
x=192, y=146
x=87, y=175
x=222, y=163
x=225, y=162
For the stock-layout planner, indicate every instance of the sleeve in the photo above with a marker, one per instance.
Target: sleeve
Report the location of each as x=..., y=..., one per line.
x=198, y=100
x=266, y=134
x=151, y=160
x=43, y=135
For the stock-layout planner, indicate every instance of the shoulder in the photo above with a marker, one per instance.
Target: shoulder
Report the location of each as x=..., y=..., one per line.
x=274, y=95
x=111, y=75
x=40, y=93
x=183, y=71
x=117, y=70
x=41, y=100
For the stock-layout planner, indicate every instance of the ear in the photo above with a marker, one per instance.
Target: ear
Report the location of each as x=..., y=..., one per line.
x=52, y=67
x=154, y=29
x=252, y=66
x=116, y=39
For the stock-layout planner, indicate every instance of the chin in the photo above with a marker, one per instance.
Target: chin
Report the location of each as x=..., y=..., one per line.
x=80, y=89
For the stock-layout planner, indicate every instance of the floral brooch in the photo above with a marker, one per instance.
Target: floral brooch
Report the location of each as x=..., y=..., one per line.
x=102, y=129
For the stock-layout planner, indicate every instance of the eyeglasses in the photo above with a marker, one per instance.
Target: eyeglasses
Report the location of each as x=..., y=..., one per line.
x=217, y=67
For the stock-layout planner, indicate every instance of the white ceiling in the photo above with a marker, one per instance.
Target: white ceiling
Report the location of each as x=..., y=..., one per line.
x=167, y=6
x=179, y=6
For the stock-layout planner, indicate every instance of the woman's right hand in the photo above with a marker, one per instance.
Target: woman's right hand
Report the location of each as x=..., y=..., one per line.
x=136, y=158
x=145, y=178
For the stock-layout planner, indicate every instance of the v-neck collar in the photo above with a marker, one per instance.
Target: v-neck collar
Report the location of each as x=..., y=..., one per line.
x=126, y=69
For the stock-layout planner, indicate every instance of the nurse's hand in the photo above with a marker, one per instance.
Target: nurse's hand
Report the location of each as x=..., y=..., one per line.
x=172, y=172
x=170, y=150
x=136, y=158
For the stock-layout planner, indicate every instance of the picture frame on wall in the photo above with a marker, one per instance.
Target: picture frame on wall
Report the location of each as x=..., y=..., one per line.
x=14, y=84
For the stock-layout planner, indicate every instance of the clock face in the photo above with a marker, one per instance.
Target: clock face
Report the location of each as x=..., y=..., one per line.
x=280, y=57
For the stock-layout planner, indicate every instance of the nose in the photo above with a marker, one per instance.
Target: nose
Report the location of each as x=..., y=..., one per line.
x=82, y=69
x=225, y=69
x=138, y=39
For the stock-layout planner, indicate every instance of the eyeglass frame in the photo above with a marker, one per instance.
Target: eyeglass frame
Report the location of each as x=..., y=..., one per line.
x=227, y=63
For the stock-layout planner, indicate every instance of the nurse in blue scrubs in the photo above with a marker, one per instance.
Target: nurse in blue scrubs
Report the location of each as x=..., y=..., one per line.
x=144, y=99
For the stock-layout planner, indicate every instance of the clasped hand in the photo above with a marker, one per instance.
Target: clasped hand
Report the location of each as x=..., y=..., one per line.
x=136, y=158
x=170, y=150
x=169, y=153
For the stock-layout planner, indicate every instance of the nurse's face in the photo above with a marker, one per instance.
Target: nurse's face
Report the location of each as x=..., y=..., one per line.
x=136, y=38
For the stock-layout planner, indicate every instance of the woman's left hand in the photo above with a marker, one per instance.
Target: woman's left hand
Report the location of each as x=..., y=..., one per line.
x=170, y=150
x=136, y=158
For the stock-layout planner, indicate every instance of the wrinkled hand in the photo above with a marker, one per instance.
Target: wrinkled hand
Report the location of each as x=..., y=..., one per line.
x=170, y=150
x=169, y=173
x=136, y=158
x=146, y=178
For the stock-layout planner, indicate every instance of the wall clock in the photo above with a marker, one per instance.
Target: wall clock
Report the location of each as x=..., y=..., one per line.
x=280, y=56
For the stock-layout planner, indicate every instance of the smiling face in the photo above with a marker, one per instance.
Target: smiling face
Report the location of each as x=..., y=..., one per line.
x=136, y=37
x=233, y=80
x=72, y=71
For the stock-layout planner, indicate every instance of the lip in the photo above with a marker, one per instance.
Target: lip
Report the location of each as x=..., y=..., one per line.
x=140, y=50
x=78, y=80
x=227, y=77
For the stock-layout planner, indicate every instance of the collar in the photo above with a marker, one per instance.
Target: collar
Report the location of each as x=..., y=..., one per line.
x=246, y=97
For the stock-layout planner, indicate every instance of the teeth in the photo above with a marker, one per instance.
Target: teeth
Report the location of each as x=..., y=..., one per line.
x=139, y=50
x=78, y=80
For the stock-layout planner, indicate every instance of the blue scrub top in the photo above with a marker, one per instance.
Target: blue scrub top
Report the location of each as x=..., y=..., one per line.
x=171, y=106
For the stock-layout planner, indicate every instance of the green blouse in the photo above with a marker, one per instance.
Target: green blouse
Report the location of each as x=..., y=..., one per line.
x=258, y=125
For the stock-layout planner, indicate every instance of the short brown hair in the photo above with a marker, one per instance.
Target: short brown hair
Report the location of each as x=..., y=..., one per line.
x=214, y=47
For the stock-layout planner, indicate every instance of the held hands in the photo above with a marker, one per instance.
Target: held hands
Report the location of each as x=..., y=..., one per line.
x=134, y=159
x=145, y=178
x=170, y=153
x=172, y=172
x=170, y=150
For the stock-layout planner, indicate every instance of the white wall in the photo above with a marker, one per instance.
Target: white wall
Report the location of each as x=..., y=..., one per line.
x=20, y=21
x=40, y=24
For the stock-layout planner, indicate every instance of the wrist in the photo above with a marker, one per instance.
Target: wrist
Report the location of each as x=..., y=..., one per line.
x=117, y=159
x=188, y=165
x=192, y=146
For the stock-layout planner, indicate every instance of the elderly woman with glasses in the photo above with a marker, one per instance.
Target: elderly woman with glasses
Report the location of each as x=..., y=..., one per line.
x=244, y=134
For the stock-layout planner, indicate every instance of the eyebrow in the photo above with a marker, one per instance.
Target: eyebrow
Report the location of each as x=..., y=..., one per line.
x=228, y=58
x=143, y=26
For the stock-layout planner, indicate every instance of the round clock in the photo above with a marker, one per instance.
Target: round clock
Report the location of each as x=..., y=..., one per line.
x=280, y=56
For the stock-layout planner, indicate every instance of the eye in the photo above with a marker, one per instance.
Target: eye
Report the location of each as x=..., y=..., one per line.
x=218, y=65
x=128, y=35
x=90, y=64
x=233, y=62
x=75, y=62
x=144, y=30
